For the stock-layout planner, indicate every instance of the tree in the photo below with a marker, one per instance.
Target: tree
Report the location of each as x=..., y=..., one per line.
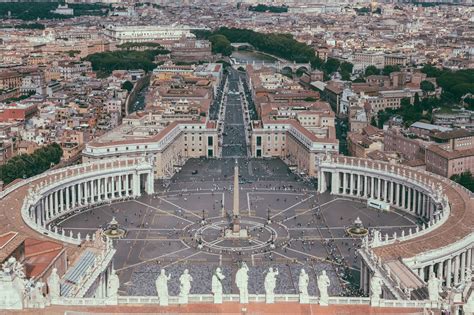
x=371, y=70
x=389, y=69
x=465, y=179
x=426, y=86
x=373, y=121
x=347, y=66
x=220, y=45
x=27, y=165
x=331, y=65
x=359, y=79
x=416, y=101
x=106, y=62
x=127, y=85
x=431, y=71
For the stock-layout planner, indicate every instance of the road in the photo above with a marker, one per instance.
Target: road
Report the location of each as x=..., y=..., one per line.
x=234, y=142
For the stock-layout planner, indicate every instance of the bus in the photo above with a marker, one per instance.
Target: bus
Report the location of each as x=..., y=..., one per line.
x=377, y=204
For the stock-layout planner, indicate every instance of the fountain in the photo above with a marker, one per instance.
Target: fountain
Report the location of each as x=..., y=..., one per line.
x=357, y=229
x=113, y=230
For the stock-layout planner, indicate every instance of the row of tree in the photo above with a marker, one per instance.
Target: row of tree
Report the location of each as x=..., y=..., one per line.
x=27, y=165
x=268, y=8
x=106, y=62
x=31, y=26
x=420, y=110
x=465, y=179
x=29, y=11
x=455, y=84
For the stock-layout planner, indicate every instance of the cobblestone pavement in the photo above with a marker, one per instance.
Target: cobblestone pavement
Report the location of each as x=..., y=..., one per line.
x=310, y=229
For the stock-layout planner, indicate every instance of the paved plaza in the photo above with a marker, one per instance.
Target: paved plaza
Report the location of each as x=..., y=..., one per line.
x=290, y=225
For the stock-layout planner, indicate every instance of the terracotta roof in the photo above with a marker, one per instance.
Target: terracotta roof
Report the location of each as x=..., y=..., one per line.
x=453, y=134
x=450, y=155
x=6, y=238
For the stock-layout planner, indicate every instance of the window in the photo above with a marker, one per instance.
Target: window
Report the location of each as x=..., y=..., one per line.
x=210, y=140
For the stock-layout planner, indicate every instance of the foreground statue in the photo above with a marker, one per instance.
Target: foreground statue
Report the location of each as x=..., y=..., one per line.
x=113, y=285
x=12, y=285
x=217, y=278
x=162, y=287
x=303, y=282
x=270, y=284
x=434, y=288
x=241, y=281
x=36, y=298
x=375, y=289
x=185, y=286
x=323, y=285
x=54, y=286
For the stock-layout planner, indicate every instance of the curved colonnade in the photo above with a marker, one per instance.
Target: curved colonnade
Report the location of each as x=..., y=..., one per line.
x=442, y=246
x=81, y=187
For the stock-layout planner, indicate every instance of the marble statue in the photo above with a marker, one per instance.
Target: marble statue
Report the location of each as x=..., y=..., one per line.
x=323, y=285
x=241, y=281
x=54, y=286
x=34, y=290
x=468, y=307
x=303, y=286
x=270, y=284
x=468, y=275
x=375, y=289
x=162, y=287
x=434, y=287
x=185, y=286
x=113, y=285
x=217, y=278
x=12, y=285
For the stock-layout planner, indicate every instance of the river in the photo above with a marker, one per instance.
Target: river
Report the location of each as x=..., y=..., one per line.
x=244, y=56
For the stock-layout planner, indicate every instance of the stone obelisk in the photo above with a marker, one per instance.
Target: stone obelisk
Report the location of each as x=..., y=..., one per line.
x=235, y=210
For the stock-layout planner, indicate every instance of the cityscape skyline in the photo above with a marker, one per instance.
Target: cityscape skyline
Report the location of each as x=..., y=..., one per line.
x=264, y=157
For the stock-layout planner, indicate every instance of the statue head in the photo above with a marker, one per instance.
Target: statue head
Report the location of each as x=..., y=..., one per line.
x=218, y=270
x=303, y=271
x=270, y=269
x=186, y=271
x=163, y=272
x=323, y=273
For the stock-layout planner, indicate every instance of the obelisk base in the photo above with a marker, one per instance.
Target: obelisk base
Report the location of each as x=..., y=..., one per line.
x=230, y=234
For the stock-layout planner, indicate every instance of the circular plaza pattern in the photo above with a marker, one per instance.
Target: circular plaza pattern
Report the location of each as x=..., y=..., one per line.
x=289, y=225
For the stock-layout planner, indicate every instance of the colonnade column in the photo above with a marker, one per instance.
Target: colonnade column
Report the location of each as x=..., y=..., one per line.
x=456, y=270
x=120, y=185
x=366, y=186
x=448, y=272
x=469, y=258
x=463, y=265
x=372, y=188
x=403, y=197
x=440, y=271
